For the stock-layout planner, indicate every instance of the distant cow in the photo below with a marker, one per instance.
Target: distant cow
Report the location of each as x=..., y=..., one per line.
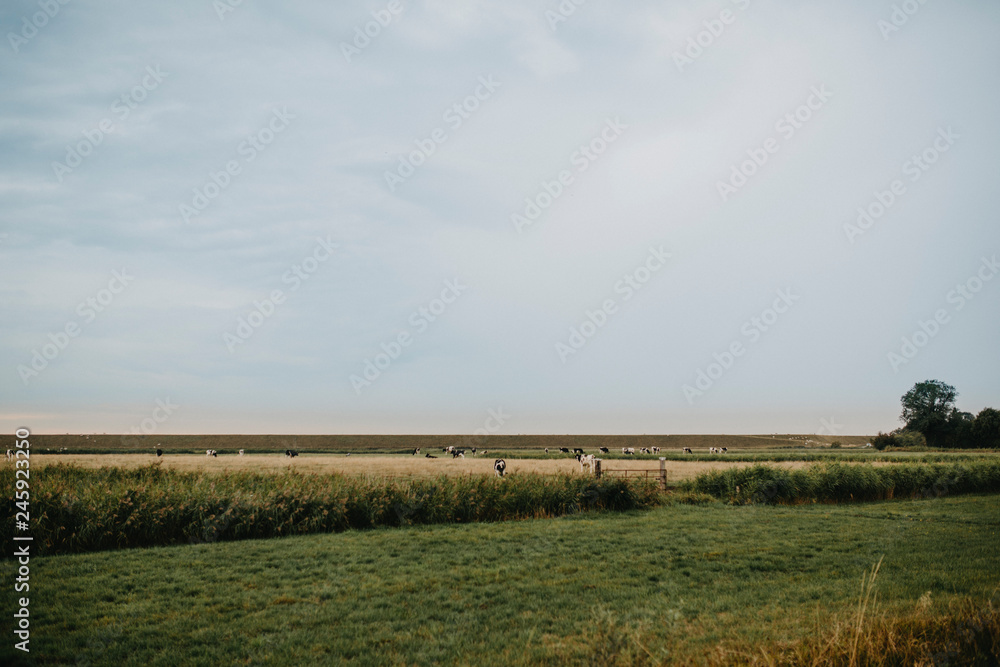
x=725, y=449
x=628, y=451
x=644, y=450
x=292, y=453
x=241, y=452
x=159, y=452
x=210, y=452
x=10, y=455
x=458, y=453
x=564, y=450
x=656, y=450
x=499, y=467
x=429, y=456
x=686, y=450
x=603, y=450
x=416, y=451
x=586, y=461
x=577, y=450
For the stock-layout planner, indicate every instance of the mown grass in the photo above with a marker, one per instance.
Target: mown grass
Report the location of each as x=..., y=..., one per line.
x=680, y=584
x=79, y=509
x=835, y=482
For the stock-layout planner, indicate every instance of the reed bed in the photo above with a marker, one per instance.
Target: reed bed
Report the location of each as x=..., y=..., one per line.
x=75, y=509
x=836, y=482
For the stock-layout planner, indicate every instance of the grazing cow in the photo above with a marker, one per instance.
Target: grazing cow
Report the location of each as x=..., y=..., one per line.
x=644, y=450
x=656, y=450
x=159, y=452
x=208, y=452
x=457, y=453
x=546, y=450
x=603, y=450
x=628, y=451
x=724, y=450
x=686, y=450
x=416, y=451
x=291, y=453
x=10, y=455
x=564, y=450
x=485, y=452
x=428, y=456
x=499, y=467
x=586, y=461
x=241, y=452
x=577, y=450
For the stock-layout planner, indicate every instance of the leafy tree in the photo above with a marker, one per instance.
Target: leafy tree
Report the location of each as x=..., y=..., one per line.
x=928, y=408
x=986, y=429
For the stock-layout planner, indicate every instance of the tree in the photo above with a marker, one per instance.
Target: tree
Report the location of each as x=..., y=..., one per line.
x=986, y=429
x=928, y=408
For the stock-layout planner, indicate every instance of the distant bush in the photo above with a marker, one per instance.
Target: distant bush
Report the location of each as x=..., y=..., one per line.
x=835, y=444
x=883, y=441
x=836, y=482
x=914, y=440
x=77, y=509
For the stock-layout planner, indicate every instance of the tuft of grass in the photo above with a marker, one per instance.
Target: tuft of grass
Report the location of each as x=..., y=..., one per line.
x=965, y=633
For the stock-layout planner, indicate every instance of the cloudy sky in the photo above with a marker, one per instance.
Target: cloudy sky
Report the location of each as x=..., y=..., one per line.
x=724, y=217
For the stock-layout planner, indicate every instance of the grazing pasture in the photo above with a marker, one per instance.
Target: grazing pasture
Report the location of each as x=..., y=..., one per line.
x=383, y=465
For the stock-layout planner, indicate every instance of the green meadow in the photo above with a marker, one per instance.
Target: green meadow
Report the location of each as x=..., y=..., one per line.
x=700, y=583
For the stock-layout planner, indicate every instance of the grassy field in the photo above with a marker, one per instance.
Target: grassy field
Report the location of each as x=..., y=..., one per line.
x=399, y=444
x=666, y=586
x=387, y=465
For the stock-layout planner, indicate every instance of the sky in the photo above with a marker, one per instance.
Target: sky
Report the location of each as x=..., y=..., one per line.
x=741, y=216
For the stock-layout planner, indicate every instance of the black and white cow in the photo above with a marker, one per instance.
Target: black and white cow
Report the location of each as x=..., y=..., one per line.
x=159, y=452
x=290, y=453
x=577, y=450
x=686, y=450
x=499, y=467
x=602, y=450
x=564, y=450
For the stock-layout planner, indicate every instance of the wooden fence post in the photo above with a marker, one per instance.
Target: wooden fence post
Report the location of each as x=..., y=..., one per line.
x=663, y=473
x=597, y=468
